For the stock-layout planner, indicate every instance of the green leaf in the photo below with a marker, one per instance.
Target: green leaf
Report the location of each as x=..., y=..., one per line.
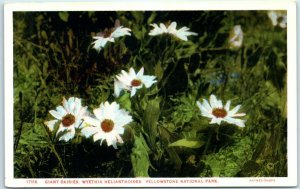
x=125, y=101
x=151, y=116
x=187, y=143
x=139, y=157
x=64, y=16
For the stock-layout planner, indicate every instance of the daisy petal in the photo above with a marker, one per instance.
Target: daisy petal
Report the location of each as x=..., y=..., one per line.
x=91, y=121
x=89, y=131
x=50, y=124
x=213, y=101
x=234, y=110
x=133, y=91
x=141, y=72
x=68, y=136
x=56, y=114
x=239, y=115
x=238, y=122
x=227, y=106
x=148, y=81
x=97, y=136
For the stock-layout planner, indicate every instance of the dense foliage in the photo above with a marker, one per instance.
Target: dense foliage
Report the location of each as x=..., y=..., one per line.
x=168, y=137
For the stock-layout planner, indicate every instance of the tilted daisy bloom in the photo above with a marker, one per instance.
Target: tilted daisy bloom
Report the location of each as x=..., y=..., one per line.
x=108, y=124
x=236, y=37
x=109, y=35
x=182, y=33
x=215, y=110
x=132, y=81
x=70, y=115
x=278, y=18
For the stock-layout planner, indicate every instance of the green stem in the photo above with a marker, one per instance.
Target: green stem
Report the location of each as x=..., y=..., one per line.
x=217, y=129
x=208, y=142
x=52, y=147
x=212, y=49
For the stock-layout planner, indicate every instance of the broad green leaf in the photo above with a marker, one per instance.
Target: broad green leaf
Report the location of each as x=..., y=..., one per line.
x=151, y=116
x=139, y=157
x=187, y=143
x=124, y=101
x=64, y=16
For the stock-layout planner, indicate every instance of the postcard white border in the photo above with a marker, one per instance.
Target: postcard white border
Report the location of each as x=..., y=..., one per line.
x=291, y=180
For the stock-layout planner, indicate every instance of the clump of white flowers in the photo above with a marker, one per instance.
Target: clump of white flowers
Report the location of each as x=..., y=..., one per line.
x=70, y=117
x=215, y=110
x=107, y=124
x=132, y=81
x=181, y=33
x=278, y=18
x=236, y=37
x=109, y=35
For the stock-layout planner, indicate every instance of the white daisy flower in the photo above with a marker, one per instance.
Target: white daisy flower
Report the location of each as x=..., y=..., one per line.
x=70, y=116
x=108, y=124
x=132, y=81
x=278, y=18
x=182, y=33
x=218, y=113
x=109, y=35
x=236, y=37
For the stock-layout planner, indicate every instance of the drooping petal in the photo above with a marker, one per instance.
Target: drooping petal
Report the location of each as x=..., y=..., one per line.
x=117, y=88
x=120, y=130
x=69, y=135
x=119, y=139
x=97, y=136
x=109, y=141
x=215, y=120
x=133, y=91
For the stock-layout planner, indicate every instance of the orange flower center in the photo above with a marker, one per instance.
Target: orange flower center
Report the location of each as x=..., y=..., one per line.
x=136, y=83
x=107, y=125
x=219, y=112
x=68, y=120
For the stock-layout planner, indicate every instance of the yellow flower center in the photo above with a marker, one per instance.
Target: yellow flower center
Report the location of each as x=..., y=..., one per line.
x=68, y=120
x=219, y=112
x=107, y=125
x=136, y=83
